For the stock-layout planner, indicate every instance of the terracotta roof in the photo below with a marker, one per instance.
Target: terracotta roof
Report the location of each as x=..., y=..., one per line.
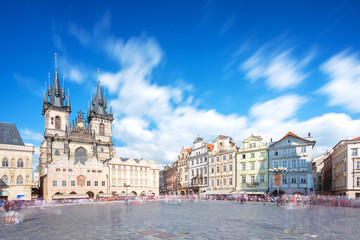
x=222, y=136
x=358, y=138
x=290, y=134
x=210, y=146
x=189, y=150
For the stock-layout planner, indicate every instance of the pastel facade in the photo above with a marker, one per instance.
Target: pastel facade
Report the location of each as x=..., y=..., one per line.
x=222, y=166
x=199, y=166
x=130, y=176
x=346, y=168
x=252, y=166
x=16, y=164
x=183, y=171
x=294, y=154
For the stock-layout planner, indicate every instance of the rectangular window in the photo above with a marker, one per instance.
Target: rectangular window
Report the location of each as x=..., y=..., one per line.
x=224, y=157
x=284, y=179
x=354, y=152
x=205, y=180
x=217, y=158
x=293, y=179
x=224, y=182
x=96, y=183
x=212, y=169
x=54, y=183
x=230, y=167
x=212, y=159
x=113, y=166
x=252, y=179
x=262, y=178
x=192, y=172
x=358, y=165
x=283, y=151
x=276, y=152
x=252, y=166
x=244, y=156
x=58, y=169
x=88, y=183
x=284, y=164
x=103, y=183
x=293, y=163
x=262, y=154
x=293, y=150
x=218, y=182
x=243, y=166
x=303, y=149
x=72, y=183
x=217, y=169
x=93, y=171
x=230, y=181
x=243, y=179
x=252, y=155
x=358, y=181
x=205, y=171
x=224, y=168
x=230, y=156
x=262, y=165
x=276, y=164
x=302, y=163
x=113, y=183
x=302, y=179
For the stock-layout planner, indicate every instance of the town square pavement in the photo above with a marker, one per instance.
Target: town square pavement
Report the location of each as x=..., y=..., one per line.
x=190, y=220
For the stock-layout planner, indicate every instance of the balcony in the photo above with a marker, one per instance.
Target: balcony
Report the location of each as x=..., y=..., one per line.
x=252, y=184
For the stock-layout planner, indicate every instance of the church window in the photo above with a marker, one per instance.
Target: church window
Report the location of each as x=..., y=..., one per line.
x=57, y=122
x=80, y=155
x=4, y=180
x=5, y=162
x=20, y=163
x=102, y=129
x=57, y=153
x=20, y=180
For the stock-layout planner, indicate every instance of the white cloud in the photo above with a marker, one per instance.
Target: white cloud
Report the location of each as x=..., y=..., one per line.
x=280, y=71
x=154, y=121
x=342, y=89
x=31, y=135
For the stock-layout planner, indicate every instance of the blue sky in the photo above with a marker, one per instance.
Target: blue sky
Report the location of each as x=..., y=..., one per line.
x=176, y=69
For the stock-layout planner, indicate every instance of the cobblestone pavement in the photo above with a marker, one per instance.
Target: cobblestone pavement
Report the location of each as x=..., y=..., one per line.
x=191, y=220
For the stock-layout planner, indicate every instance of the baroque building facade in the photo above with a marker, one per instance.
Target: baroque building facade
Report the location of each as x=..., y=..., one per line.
x=76, y=158
x=183, y=171
x=252, y=166
x=199, y=166
x=293, y=155
x=16, y=164
x=222, y=166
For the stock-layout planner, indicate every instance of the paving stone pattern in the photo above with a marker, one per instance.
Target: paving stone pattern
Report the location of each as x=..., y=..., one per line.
x=191, y=220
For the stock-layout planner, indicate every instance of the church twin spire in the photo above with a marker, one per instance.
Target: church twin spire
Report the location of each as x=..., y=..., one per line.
x=55, y=93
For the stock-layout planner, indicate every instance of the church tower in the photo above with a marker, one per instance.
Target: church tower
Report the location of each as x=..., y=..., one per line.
x=100, y=124
x=56, y=116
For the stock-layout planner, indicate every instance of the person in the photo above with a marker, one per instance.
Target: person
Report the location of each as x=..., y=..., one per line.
x=7, y=212
x=264, y=200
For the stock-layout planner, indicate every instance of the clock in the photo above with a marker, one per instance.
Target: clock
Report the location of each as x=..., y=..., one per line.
x=80, y=124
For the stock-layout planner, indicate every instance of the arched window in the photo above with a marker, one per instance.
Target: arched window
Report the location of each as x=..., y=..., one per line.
x=20, y=180
x=4, y=180
x=5, y=162
x=20, y=163
x=102, y=129
x=57, y=122
x=57, y=153
x=80, y=155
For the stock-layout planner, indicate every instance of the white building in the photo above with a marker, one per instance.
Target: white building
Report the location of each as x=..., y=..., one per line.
x=294, y=154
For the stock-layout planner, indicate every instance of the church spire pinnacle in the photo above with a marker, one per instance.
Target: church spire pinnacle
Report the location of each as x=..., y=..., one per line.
x=57, y=96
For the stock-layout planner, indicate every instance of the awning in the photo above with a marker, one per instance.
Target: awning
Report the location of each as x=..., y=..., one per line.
x=250, y=193
x=105, y=195
x=4, y=193
x=218, y=192
x=70, y=196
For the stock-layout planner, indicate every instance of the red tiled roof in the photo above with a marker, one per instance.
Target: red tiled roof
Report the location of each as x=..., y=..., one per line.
x=358, y=138
x=289, y=134
x=210, y=146
x=189, y=150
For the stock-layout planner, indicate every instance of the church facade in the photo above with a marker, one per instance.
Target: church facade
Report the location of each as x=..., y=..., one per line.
x=75, y=156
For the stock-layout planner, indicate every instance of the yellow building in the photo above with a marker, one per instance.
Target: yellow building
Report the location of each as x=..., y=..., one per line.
x=252, y=166
x=16, y=164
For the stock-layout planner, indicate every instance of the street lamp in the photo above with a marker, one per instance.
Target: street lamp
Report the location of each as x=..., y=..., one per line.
x=277, y=177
